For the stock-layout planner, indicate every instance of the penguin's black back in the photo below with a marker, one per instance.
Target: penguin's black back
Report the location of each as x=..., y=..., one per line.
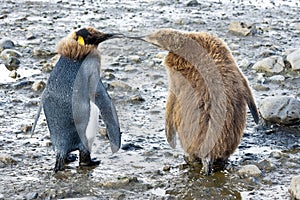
x=57, y=103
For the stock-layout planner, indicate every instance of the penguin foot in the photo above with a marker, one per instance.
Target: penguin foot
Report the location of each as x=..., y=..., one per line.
x=59, y=164
x=85, y=159
x=207, y=166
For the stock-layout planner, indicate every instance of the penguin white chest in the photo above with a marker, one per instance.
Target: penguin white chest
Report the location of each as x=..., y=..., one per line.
x=92, y=127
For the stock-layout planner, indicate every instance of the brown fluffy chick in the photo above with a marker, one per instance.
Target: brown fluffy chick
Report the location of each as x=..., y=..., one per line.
x=208, y=95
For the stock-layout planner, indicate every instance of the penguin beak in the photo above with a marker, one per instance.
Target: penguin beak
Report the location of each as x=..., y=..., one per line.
x=146, y=38
x=107, y=36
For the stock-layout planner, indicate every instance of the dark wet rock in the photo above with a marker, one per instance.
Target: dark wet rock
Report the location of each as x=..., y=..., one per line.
x=3, y=16
x=131, y=147
x=7, y=53
x=38, y=85
x=294, y=60
x=249, y=171
x=295, y=187
x=6, y=44
x=241, y=28
x=273, y=64
x=30, y=36
x=12, y=63
x=22, y=84
x=192, y=3
x=281, y=110
x=31, y=195
x=7, y=159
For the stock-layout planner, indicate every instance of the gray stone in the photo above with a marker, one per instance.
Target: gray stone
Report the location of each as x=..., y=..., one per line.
x=13, y=74
x=1, y=197
x=42, y=52
x=30, y=36
x=192, y=3
x=294, y=60
x=120, y=85
x=81, y=198
x=6, y=53
x=6, y=44
x=295, y=187
x=272, y=64
x=281, y=110
x=31, y=195
x=12, y=63
x=241, y=28
x=249, y=171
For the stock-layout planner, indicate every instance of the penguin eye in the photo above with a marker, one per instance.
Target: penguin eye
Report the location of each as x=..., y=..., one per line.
x=80, y=40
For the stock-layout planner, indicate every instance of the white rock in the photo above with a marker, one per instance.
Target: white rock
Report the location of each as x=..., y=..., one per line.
x=277, y=78
x=38, y=85
x=295, y=187
x=241, y=28
x=249, y=171
x=294, y=59
x=272, y=64
x=281, y=110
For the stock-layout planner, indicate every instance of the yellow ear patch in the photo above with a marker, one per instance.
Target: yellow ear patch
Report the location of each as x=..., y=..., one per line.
x=80, y=40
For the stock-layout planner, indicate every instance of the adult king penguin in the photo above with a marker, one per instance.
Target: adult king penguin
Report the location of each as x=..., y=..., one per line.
x=74, y=95
x=208, y=95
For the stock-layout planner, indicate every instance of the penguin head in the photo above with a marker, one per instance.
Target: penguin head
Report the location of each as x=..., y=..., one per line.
x=91, y=36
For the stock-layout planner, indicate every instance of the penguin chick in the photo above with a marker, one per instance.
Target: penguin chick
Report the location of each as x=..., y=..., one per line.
x=208, y=95
x=75, y=94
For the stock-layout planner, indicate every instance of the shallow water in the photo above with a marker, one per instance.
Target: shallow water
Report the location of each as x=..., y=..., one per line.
x=150, y=169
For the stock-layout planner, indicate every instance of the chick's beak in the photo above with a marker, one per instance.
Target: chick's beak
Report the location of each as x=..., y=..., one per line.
x=147, y=38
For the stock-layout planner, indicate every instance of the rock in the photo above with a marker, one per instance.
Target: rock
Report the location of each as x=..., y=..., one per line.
x=249, y=171
x=298, y=27
x=109, y=76
x=82, y=198
x=7, y=160
x=13, y=74
x=30, y=36
x=6, y=53
x=6, y=44
x=241, y=28
x=294, y=60
x=282, y=110
x=130, y=69
x=38, y=85
x=134, y=58
x=12, y=63
x=48, y=67
x=120, y=85
x=26, y=128
x=295, y=187
x=136, y=98
x=277, y=78
x=192, y=3
x=272, y=64
x=31, y=195
x=1, y=197
x=42, y=52
x=259, y=87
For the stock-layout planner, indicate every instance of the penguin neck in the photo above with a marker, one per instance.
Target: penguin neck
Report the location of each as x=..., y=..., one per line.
x=70, y=48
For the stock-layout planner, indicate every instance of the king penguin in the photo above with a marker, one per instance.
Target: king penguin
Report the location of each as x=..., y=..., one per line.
x=208, y=95
x=75, y=96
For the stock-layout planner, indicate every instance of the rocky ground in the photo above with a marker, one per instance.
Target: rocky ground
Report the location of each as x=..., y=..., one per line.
x=146, y=167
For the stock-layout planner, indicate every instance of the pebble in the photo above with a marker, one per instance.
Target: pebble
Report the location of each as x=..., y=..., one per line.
x=130, y=68
x=272, y=64
x=83, y=198
x=1, y=197
x=38, y=85
x=282, y=110
x=137, y=98
x=31, y=195
x=13, y=74
x=295, y=187
x=259, y=87
x=134, y=58
x=120, y=85
x=241, y=28
x=38, y=52
x=249, y=171
x=30, y=36
x=294, y=60
x=6, y=44
x=192, y=3
x=26, y=128
x=12, y=63
x=7, y=159
x=7, y=53
x=277, y=78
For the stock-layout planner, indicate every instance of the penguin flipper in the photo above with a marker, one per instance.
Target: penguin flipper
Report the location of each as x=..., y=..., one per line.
x=169, y=123
x=37, y=117
x=109, y=116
